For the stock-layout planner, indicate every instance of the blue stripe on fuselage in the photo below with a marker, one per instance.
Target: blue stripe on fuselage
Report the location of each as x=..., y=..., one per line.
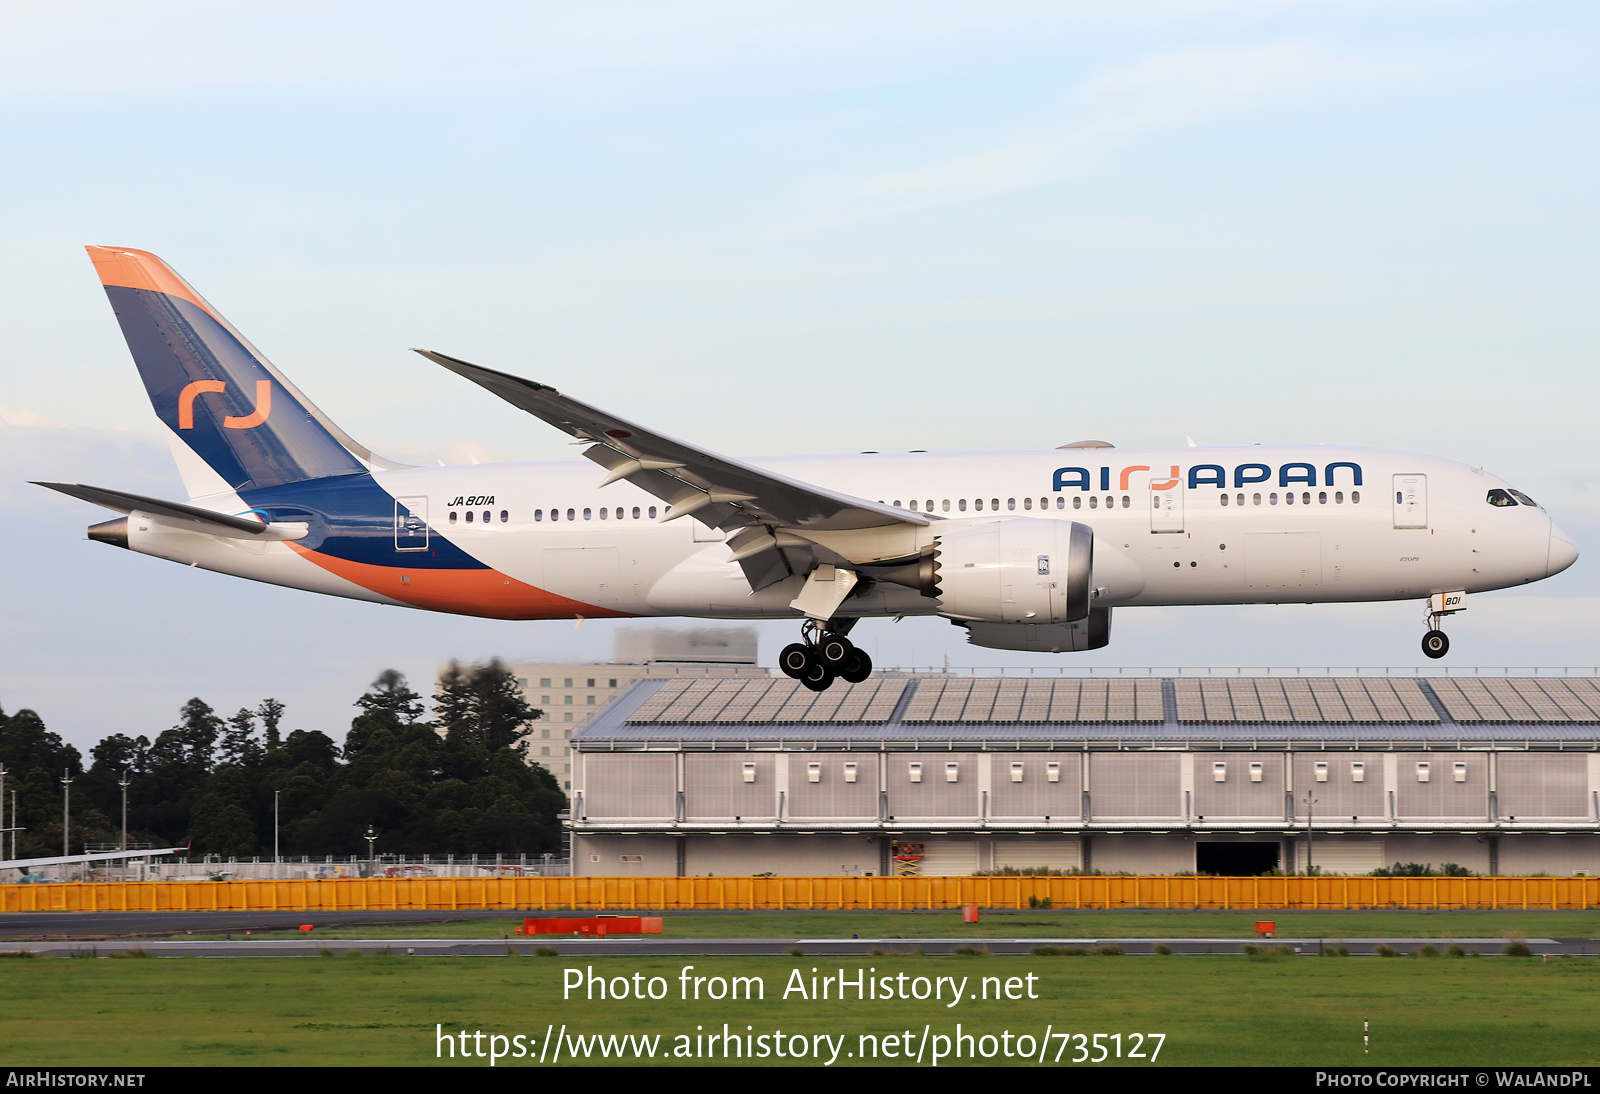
x=352, y=518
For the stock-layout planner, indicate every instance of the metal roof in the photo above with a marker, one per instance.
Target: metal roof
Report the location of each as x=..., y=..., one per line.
x=1274, y=713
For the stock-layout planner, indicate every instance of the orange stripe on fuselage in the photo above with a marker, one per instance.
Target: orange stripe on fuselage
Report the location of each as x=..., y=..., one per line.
x=127, y=268
x=487, y=593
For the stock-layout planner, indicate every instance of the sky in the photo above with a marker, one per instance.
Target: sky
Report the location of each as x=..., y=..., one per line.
x=792, y=228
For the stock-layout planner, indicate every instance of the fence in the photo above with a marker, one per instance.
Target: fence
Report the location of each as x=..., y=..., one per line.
x=886, y=894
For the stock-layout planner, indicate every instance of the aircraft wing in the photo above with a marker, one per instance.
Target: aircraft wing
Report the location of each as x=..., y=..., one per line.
x=764, y=512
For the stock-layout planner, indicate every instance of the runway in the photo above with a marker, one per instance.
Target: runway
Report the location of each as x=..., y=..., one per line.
x=581, y=948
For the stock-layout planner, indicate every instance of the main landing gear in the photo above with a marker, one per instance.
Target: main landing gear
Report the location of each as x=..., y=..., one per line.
x=823, y=655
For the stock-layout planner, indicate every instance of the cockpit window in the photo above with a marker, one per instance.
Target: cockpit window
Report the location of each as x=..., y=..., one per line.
x=1501, y=498
x=1524, y=499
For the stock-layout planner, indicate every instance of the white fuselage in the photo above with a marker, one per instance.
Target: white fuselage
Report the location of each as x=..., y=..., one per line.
x=1295, y=527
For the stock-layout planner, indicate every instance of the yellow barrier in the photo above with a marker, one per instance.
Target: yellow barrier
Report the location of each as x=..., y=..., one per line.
x=884, y=893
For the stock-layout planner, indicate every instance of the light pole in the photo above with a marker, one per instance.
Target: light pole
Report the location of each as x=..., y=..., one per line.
x=1310, y=835
x=123, y=782
x=372, y=841
x=66, y=809
x=275, y=858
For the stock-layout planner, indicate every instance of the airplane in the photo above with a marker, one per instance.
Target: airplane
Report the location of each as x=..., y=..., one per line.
x=1028, y=551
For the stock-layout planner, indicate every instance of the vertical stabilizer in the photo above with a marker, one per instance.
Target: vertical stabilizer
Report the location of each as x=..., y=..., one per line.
x=220, y=397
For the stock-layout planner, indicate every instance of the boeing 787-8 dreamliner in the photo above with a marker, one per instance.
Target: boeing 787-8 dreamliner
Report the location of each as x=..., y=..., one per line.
x=1026, y=550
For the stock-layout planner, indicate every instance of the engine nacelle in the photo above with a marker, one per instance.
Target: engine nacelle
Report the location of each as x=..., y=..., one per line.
x=1018, y=570
x=1086, y=634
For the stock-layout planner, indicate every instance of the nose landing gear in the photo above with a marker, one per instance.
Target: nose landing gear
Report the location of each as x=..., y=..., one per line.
x=1435, y=644
x=821, y=656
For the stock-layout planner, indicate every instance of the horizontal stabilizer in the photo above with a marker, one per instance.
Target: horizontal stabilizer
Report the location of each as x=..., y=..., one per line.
x=177, y=514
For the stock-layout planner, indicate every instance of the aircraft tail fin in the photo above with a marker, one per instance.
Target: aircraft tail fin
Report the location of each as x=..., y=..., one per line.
x=216, y=393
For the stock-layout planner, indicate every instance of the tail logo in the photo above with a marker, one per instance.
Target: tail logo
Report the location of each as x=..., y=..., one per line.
x=193, y=391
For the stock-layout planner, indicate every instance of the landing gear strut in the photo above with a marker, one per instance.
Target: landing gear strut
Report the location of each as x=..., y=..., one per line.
x=1435, y=644
x=824, y=654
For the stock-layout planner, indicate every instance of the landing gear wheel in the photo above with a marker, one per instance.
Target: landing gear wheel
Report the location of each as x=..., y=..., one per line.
x=796, y=660
x=857, y=669
x=818, y=678
x=834, y=650
x=1435, y=644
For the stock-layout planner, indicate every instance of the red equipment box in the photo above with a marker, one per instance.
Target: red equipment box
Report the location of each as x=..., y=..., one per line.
x=596, y=926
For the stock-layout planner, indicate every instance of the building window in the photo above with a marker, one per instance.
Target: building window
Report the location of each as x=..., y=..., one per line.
x=591, y=700
x=590, y=683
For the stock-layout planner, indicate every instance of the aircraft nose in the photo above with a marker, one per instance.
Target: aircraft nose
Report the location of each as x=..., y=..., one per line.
x=1563, y=552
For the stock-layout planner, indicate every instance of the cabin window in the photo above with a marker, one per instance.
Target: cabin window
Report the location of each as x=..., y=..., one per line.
x=586, y=514
x=1061, y=503
x=1011, y=503
x=1224, y=500
x=1322, y=498
x=652, y=512
x=930, y=505
x=1338, y=497
x=1127, y=500
x=962, y=505
x=1027, y=503
x=1077, y=501
x=1305, y=499
x=1288, y=499
x=978, y=504
x=913, y=505
x=994, y=503
x=486, y=516
x=452, y=516
x=605, y=514
x=538, y=514
x=571, y=515
x=897, y=504
x=1258, y=499
x=1110, y=501
x=946, y=505
x=504, y=516
x=1044, y=503
x=1355, y=497
x=1273, y=497
x=1094, y=502
x=635, y=512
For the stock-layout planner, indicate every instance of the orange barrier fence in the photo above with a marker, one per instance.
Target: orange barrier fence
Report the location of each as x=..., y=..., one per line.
x=879, y=893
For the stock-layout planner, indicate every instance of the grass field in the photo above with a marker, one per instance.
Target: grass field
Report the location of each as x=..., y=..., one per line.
x=1033, y=924
x=372, y=1011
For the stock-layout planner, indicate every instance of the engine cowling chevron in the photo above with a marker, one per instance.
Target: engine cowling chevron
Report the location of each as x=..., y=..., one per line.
x=1018, y=570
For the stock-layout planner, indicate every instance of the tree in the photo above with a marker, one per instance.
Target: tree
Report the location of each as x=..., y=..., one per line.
x=271, y=713
x=239, y=744
x=482, y=705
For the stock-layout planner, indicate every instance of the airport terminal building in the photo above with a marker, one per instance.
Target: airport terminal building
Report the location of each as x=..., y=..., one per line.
x=1217, y=772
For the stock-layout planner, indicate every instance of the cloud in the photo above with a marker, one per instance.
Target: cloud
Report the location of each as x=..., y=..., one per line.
x=1156, y=92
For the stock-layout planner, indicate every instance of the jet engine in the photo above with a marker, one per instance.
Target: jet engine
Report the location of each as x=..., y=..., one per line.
x=1086, y=634
x=1019, y=570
